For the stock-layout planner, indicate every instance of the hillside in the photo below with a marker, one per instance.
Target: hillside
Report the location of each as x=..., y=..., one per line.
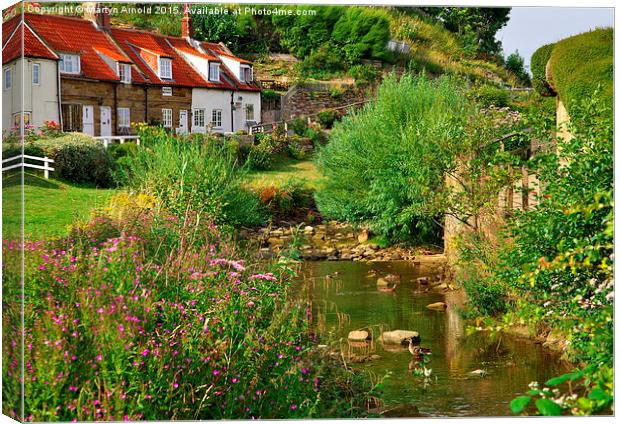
x=332, y=42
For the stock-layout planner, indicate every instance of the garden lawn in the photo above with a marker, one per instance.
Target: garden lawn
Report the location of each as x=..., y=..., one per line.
x=51, y=205
x=286, y=169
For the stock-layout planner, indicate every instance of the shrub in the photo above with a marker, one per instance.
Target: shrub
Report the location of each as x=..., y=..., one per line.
x=295, y=149
x=118, y=151
x=260, y=157
x=286, y=200
x=322, y=63
x=79, y=158
x=488, y=96
x=384, y=162
x=299, y=125
x=205, y=175
x=363, y=74
x=326, y=118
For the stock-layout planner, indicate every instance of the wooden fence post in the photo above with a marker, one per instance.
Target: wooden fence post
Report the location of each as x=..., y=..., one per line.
x=46, y=170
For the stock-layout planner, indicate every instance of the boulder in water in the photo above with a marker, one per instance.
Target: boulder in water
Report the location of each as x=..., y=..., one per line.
x=399, y=336
x=359, y=336
x=437, y=306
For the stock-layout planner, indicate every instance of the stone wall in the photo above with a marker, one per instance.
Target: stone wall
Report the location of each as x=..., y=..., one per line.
x=310, y=99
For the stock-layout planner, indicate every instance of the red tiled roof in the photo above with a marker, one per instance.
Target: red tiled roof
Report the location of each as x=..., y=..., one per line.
x=33, y=46
x=217, y=49
x=133, y=41
x=224, y=84
x=75, y=35
x=8, y=27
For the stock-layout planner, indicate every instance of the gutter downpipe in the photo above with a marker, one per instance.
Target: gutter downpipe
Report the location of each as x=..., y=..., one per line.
x=59, y=96
x=232, y=116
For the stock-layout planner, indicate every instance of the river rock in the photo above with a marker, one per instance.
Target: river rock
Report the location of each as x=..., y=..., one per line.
x=308, y=229
x=359, y=335
x=479, y=372
x=399, y=336
x=382, y=282
x=422, y=280
x=402, y=411
x=363, y=236
x=437, y=306
x=392, y=278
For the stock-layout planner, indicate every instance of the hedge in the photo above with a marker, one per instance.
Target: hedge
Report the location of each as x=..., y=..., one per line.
x=538, y=66
x=580, y=65
x=78, y=158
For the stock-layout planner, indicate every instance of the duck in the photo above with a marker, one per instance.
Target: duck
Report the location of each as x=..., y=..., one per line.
x=417, y=350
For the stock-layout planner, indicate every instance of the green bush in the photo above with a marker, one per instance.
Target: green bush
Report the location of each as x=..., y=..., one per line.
x=322, y=63
x=299, y=125
x=261, y=156
x=362, y=73
x=79, y=158
x=490, y=96
x=121, y=150
x=205, y=175
x=385, y=162
x=326, y=118
x=538, y=66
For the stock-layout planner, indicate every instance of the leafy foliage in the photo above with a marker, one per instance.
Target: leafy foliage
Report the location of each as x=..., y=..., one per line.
x=477, y=26
x=557, y=260
x=515, y=64
x=385, y=162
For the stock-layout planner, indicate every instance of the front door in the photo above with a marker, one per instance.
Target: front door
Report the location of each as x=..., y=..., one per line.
x=183, y=122
x=106, y=121
x=88, y=120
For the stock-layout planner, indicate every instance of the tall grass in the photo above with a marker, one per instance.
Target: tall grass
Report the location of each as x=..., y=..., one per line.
x=202, y=175
x=384, y=164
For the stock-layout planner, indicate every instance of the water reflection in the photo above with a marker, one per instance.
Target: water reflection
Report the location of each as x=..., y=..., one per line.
x=345, y=296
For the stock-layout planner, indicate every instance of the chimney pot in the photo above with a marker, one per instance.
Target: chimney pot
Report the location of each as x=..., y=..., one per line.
x=187, y=30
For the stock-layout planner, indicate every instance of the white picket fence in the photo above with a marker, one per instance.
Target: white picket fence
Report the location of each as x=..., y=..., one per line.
x=120, y=139
x=45, y=167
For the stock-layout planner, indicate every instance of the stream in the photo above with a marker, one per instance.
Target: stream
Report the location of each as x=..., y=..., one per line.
x=348, y=299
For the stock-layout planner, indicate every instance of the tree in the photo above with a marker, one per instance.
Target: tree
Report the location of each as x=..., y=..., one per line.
x=218, y=28
x=515, y=64
x=477, y=25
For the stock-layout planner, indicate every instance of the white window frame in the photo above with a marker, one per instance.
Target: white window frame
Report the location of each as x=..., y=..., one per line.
x=125, y=76
x=165, y=71
x=75, y=60
x=166, y=117
x=214, y=71
x=36, y=66
x=242, y=73
x=7, y=72
x=216, y=118
x=195, y=114
x=248, y=107
x=124, y=117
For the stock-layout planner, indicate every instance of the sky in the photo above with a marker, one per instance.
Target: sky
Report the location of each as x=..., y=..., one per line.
x=531, y=27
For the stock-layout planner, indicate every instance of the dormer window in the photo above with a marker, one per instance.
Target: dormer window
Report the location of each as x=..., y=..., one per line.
x=69, y=63
x=124, y=72
x=214, y=71
x=246, y=74
x=165, y=68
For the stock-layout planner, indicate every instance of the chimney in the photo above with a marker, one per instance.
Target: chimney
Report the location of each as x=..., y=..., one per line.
x=97, y=14
x=186, y=24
